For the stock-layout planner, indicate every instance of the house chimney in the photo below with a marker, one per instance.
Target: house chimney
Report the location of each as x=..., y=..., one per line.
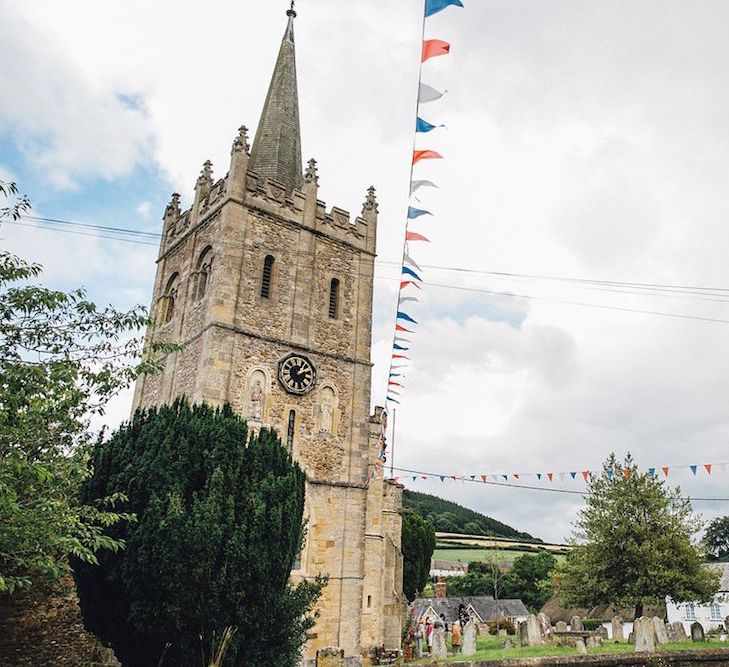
x=440, y=588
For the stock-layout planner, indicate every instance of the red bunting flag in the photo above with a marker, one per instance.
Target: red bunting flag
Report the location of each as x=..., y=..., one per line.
x=401, y=328
x=425, y=155
x=585, y=474
x=665, y=471
x=396, y=384
x=405, y=283
x=483, y=477
x=550, y=475
x=453, y=477
x=516, y=475
x=434, y=47
x=414, y=236
x=400, y=356
x=626, y=473
x=708, y=468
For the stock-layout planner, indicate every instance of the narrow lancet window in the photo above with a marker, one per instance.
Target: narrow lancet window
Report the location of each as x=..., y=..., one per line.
x=168, y=300
x=334, y=299
x=266, y=277
x=291, y=430
x=202, y=273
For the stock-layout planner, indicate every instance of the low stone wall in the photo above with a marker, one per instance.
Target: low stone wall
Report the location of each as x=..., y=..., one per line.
x=711, y=657
x=42, y=627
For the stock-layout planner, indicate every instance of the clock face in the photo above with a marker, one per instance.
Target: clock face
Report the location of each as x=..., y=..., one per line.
x=297, y=374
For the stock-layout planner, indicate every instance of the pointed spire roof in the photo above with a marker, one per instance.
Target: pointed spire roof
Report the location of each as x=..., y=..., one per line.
x=276, y=149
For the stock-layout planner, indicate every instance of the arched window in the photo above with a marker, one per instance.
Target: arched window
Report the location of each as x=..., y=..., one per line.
x=291, y=429
x=266, y=277
x=168, y=299
x=202, y=273
x=334, y=299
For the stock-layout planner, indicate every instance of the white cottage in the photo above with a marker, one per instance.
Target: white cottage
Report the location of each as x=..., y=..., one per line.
x=710, y=615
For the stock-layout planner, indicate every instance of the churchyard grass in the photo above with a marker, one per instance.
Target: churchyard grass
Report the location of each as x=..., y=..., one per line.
x=489, y=648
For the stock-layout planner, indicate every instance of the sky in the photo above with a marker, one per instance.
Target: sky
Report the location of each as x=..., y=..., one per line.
x=585, y=139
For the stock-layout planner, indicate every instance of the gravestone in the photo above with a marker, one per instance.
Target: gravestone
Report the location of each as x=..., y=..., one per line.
x=678, y=632
x=580, y=645
x=660, y=628
x=602, y=631
x=576, y=624
x=468, y=647
x=644, y=633
x=593, y=641
x=697, y=632
x=507, y=643
x=534, y=631
x=726, y=624
x=561, y=626
x=503, y=632
x=439, y=643
x=522, y=634
x=617, y=624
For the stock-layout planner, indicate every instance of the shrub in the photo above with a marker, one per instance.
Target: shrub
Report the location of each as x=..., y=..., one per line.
x=503, y=624
x=591, y=623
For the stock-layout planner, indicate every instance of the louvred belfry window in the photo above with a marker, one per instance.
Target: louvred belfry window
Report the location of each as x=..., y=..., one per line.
x=334, y=299
x=267, y=277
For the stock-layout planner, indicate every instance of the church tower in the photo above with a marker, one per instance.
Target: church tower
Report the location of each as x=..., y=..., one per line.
x=271, y=295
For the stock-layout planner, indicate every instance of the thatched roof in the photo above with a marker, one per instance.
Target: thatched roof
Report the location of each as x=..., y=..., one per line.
x=604, y=612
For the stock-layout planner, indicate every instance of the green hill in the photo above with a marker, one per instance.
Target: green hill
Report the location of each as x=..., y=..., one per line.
x=449, y=517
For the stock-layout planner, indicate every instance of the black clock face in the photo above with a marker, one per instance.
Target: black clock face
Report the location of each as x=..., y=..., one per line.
x=297, y=374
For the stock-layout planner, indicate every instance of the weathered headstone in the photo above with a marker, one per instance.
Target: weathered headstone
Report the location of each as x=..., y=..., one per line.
x=561, y=626
x=602, y=631
x=678, y=631
x=507, y=643
x=726, y=624
x=576, y=624
x=644, y=633
x=440, y=650
x=468, y=647
x=503, y=632
x=581, y=648
x=697, y=632
x=534, y=631
x=617, y=628
x=522, y=634
x=593, y=641
x=660, y=628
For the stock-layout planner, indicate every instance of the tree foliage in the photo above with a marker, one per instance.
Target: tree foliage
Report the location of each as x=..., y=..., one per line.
x=716, y=539
x=418, y=544
x=219, y=526
x=61, y=360
x=450, y=517
x=633, y=544
x=530, y=580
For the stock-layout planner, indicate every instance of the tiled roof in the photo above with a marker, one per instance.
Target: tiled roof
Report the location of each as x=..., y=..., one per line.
x=486, y=608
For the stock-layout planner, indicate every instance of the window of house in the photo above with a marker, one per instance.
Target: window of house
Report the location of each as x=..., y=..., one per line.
x=715, y=612
x=334, y=298
x=690, y=612
x=266, y=277
x=169, y=297
x=202, y=273
x=290, y=430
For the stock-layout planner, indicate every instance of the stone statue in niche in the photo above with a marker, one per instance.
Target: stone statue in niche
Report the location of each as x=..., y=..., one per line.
x=326, y=410
x=256, y=396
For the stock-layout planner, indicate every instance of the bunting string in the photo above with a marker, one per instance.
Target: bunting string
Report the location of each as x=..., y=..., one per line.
x=411, y=282
x=548, y=477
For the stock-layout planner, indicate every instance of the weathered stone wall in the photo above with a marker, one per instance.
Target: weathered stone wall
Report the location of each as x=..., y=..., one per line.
x=716, y=658
x=42, y=627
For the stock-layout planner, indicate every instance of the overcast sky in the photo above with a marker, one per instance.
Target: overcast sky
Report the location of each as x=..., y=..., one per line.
x=585, y=138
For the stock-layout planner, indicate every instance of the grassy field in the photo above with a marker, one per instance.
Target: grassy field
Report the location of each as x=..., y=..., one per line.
x=489, y=648
x=480, y=555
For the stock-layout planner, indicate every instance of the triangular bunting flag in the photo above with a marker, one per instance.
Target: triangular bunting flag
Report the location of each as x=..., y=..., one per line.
x=516, y=475
x=585, y=474
x=539, y=475
x=401, y=328
x=433, y=48
x=416, y=185
x=424, y=126
x=400, y=347
x=693, y=469
x=407, y=271
x=408, y=299
x=412, y=236
x=484, y=477
x=414, y=213
x=425, y=155
x=550, y=475
x=609, y=474
x=427, y=94
x=708, y=468
x=665, y=470
x=442, y=478
x=405, y=283
x=652, y=472
x=405, y=316
x=406, y=259
x=561, y=476
x=506, y=477
x=626, y=472
x=435, y=6
x=573, y=475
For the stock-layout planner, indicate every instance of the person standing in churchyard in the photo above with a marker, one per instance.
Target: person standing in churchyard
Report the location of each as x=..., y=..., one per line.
x=456, y=637
x=463, y=616
x=429, y=627
x=445, y=623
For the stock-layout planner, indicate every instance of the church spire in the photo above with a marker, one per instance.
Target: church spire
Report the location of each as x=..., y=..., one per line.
x=276, y=152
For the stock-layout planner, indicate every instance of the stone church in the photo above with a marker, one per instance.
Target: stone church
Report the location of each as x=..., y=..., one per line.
x=271, y=295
